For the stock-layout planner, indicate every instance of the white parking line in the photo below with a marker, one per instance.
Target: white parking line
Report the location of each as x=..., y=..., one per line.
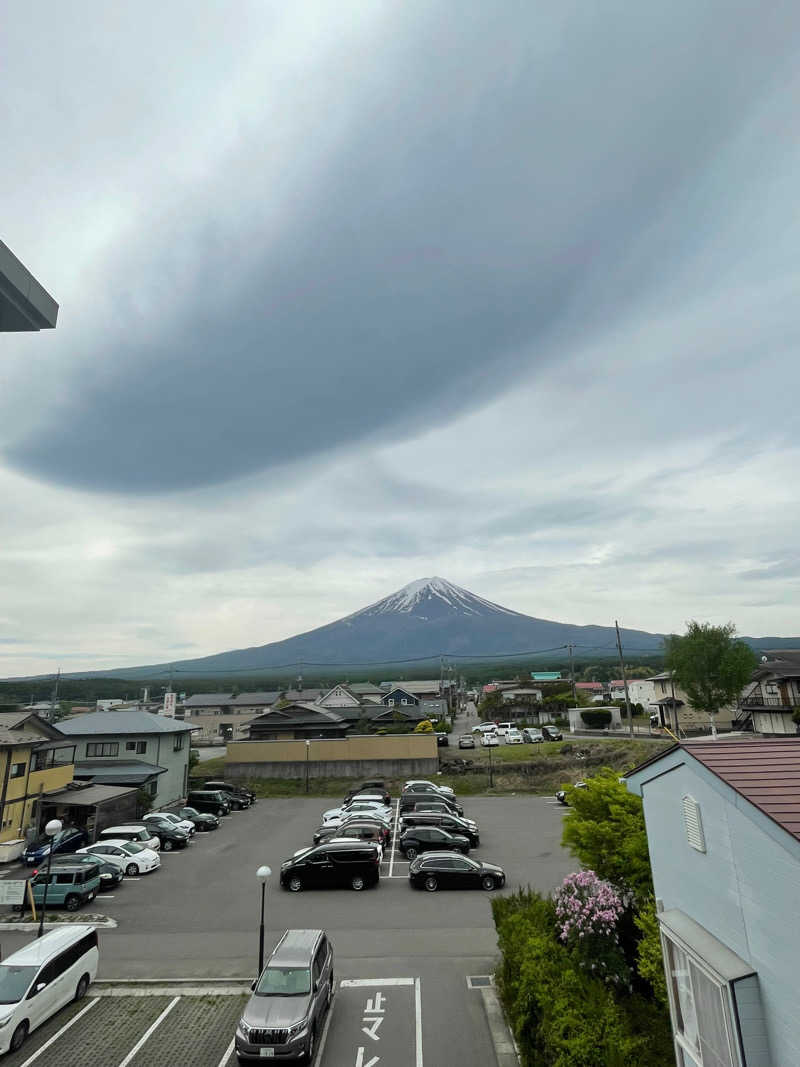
x=418, y=1019
x=150, y=1030
x=227, y=1054
x=323, y=1037
x=394, y=836
x=58, y=1034
x=357, y=982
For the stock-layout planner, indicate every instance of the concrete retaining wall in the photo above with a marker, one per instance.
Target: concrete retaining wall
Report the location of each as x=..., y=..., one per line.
x=391, y=768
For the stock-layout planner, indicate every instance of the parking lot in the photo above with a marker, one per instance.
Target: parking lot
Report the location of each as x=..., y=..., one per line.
x=198, y=918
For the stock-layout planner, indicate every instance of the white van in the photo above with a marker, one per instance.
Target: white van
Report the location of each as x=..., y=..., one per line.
x=41, y=978
x=138, y=832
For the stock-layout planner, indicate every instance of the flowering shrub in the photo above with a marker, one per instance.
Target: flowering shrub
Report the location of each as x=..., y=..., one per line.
x=588, y=911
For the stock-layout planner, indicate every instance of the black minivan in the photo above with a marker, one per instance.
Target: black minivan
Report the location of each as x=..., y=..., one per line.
x=209, y=800
x=237, y=794
x=356, y=864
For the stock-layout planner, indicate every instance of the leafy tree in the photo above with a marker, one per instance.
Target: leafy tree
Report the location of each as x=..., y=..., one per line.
x=424, y=727
x=490, y=703
x=649, y=957
x=605, y=831
x=709, y=665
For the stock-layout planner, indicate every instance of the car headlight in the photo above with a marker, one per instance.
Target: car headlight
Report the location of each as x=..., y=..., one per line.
x=6, y=1021
x=244, y=1029
x=298, y=1027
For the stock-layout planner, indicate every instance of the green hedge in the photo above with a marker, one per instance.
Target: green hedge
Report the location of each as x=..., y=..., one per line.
x=596, y=719
x=561, y=1015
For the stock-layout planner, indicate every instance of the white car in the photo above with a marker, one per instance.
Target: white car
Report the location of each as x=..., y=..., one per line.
x=489, y=739
x=335, y=815
x=426, y=781
x=131, y=857
x=513, y=736
x=485, y=727
x=502, y=727
x=182, y=824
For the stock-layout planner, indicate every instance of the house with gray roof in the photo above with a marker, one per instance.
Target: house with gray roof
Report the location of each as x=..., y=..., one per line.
x=299, y=719
x=132, y=748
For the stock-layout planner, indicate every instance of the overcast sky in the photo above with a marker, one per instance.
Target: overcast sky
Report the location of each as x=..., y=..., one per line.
x=357, y=293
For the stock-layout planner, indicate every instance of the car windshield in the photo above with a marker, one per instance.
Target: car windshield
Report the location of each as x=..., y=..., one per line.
x=189, y=813
x=131, y=848
x=284, y=982
x=14, y=982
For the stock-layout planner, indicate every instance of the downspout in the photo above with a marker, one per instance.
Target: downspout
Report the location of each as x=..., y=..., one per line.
x=5, y=787
x=27, y=781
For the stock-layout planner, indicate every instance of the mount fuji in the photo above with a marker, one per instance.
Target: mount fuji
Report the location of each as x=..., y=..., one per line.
x=422, y=621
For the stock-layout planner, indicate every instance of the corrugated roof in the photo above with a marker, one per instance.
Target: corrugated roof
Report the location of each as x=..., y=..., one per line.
x=208, y=700
x=765, y=771
x=247, y=699
x=88, y=797
x=121, y=722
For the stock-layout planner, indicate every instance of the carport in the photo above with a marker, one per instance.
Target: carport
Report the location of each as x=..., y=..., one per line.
x=92, y=806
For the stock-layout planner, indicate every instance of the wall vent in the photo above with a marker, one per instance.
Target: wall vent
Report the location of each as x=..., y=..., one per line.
x=694, y=824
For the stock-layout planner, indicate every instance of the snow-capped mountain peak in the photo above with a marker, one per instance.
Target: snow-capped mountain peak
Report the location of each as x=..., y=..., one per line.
x=426, y=594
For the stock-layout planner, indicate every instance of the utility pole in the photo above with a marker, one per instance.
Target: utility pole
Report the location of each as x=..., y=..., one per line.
x=572, y=678
x=624, y=682
x=53, y=698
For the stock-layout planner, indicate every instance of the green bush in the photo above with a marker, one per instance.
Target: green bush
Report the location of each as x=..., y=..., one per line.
x=561, y=1015
x=596, y=719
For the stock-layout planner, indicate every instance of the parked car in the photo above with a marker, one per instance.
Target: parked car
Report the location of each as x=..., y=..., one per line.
x=466, y=741
x=285, y=1016
x=447, y=821
x=552, y=733
x=429, y=838
x=336, y=815
x=110, y=874
x=442, y=739
x=132, y=858
x=503, y=726
x=373, y=785
x=489, y=739
x=561, y=794
x=43, y=977
x=444, y=870
x=138, y=832
x=167, y=833
x=370, y=830
x=186, y=825
x=209, y=800
x=366, y=798
x=485, y=727
x=422, y=785
x=430, y=801
x=243, y=797
x=69, y=839
x=532, y=737
x=203, y=822
x=335, y=863
x=70, y=885
x=513, y=736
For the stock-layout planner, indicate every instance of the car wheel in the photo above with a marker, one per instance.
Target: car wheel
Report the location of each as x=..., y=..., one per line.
x=18, y=1037
x=357, y=882
x=131, y=870
x=83, y=985
x=411, y=853
x=73, y=902
x=220, y=812
x=295, y=884
x=167, y=846
x=431, y=884
x=487, y=882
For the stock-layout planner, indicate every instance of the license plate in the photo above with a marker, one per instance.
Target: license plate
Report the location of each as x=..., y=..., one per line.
x=267, y=1052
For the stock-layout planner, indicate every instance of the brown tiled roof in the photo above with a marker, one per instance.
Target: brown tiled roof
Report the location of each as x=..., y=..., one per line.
x=765, y=771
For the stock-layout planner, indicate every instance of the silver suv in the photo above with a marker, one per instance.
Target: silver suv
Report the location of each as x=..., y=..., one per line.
x=290, y=999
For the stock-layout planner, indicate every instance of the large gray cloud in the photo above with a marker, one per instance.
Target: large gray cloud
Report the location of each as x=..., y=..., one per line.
x=505, y=184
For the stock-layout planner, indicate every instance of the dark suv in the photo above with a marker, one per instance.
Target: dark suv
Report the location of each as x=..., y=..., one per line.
x=446, y=821
x=355, y=864
x=374, y=785
x=210, y=800
x=430, y=838
x=431, y=801
x=237, y=792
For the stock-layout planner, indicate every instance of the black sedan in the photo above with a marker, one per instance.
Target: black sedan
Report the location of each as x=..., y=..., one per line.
x=426, y=838
x=445, y=870
x=203, y=821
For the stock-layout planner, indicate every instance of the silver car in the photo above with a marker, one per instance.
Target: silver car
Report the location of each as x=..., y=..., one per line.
x=284, y=1017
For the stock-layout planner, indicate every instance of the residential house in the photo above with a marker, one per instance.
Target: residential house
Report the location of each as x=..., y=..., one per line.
x=398, y=697
x=341, y=696
x=132, y=748
x=426, y=688
x=307, y=696
x=522, y=694
x=298, y=719
x=366, y=691
x=640, y=690
x=723, y=828
x=773, y=696
x=675, y=710
x=36, y=760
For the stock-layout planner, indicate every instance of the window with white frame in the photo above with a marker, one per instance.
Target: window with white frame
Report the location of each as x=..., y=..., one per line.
x=701, y=1018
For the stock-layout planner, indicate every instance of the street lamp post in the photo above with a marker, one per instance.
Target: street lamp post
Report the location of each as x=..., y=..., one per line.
x=308, y=751
x=52, y=828
x=262, y=874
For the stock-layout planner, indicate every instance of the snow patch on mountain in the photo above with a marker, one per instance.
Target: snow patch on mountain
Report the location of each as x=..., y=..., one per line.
x=423, y=591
